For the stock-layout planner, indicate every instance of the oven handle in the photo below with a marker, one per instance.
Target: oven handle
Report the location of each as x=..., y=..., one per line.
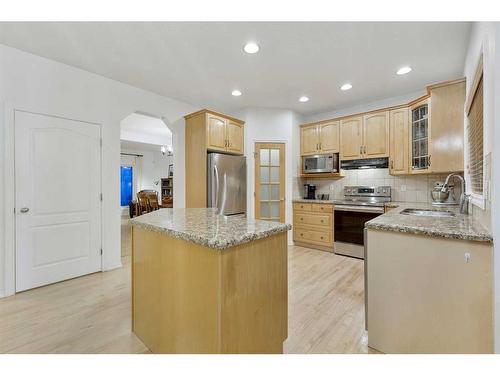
x=359, y=209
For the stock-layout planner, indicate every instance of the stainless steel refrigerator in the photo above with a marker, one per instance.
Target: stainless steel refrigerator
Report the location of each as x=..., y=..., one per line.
x=227, y=183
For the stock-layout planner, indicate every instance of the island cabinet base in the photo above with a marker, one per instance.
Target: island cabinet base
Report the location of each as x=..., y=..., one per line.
x=187, y=298
x=428, y=294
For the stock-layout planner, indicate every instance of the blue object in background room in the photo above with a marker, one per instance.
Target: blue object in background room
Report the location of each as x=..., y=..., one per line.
x=125, y=185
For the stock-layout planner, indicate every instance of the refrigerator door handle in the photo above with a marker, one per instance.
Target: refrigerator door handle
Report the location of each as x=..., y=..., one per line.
x=216, y=176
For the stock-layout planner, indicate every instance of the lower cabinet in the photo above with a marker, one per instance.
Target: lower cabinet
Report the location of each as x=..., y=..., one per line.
x=313, y=225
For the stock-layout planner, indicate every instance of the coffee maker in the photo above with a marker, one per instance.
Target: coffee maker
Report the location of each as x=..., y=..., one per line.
x=309, y=191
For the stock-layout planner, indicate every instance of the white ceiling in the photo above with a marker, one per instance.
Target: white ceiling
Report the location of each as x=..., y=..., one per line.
x=201, y=63
x=137, y=127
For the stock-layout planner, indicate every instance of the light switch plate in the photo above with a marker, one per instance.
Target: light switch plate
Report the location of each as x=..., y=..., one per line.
x=403, y=187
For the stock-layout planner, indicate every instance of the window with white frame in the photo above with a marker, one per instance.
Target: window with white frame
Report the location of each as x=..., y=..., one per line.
x=474, y=110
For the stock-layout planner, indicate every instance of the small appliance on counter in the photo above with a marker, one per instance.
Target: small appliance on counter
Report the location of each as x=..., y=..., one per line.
x=443, y=198
x=323, y=197
x=309, y=191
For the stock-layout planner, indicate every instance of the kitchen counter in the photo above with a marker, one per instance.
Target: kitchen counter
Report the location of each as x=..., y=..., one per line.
x=204, y=227
x=461, y=227
x=189, y=298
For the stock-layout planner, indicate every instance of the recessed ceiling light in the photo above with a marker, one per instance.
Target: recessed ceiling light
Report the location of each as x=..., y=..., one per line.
x=236, y=93
x=403, y=70
x=346, y=86
x=251, y=47
x=303, y=99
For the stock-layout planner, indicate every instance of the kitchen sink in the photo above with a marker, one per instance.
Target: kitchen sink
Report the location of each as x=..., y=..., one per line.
x=422, y=212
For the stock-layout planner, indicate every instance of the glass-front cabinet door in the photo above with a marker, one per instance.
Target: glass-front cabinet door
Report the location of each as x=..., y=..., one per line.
x=420, y=137
x=270, y=181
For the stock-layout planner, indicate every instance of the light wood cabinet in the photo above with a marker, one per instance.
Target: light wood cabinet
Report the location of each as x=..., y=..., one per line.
x=447, y=127
x=216, y=133
x=322, y=138
x=224, y=135
x=309, y=140
x=376, y=135
x=234, y=137
x=425, y=287
x=313, y=225
x=329, y=137
x=424, y=136
x=207, y=130
x=420, y=140
x=398, y=141
x=351, y=138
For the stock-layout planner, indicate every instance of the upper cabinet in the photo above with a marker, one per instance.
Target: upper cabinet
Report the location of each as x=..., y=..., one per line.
x=329, y=137
x=224, y=134
x=322, y=138
x=420, y=140
x=216, y=133
x=424, y=136
x=234, y=137
x=398, y=141
x=376, y=135
x=365, y=136
x=447, y=127
x=309, y=140
x=351, y=138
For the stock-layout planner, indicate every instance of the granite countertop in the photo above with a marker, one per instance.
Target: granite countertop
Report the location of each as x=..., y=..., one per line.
x=461, y=227
x=324, y=201
x=204, y=227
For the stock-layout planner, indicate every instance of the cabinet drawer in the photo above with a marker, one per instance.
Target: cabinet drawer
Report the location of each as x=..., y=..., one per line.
x=322, y=207
x=307, y=235
x=302, y=206
x=313, y=219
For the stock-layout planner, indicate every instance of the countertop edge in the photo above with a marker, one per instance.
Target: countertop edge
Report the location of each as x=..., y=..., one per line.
x=429, y=232
x=213, y=244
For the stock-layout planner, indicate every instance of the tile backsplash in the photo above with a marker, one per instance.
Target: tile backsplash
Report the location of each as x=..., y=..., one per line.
x=415, y=188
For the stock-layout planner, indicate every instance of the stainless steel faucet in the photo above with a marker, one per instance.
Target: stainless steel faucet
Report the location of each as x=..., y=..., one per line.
x=464, y=198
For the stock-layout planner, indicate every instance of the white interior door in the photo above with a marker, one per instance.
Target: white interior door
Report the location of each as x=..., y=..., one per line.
x=58, y=207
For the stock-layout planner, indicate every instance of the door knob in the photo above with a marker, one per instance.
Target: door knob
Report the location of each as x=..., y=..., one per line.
x=24, y=210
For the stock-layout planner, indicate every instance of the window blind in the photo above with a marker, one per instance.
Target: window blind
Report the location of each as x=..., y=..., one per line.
x=475, y=131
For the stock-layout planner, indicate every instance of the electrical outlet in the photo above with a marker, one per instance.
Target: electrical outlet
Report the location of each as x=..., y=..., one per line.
x=403, y=187
x=332, y=187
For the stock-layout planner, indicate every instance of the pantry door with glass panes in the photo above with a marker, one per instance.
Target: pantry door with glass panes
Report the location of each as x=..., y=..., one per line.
x=270, y=181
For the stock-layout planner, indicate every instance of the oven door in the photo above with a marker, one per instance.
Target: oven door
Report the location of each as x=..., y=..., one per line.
x=349, y=228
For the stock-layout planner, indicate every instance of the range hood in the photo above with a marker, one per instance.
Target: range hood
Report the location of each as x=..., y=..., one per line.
x=365, y=163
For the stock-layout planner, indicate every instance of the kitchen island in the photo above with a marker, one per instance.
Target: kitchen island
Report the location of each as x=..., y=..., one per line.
x=204, y=283
x=429, y=282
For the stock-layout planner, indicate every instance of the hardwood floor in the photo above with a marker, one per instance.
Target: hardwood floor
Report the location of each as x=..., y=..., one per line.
x=91, y=314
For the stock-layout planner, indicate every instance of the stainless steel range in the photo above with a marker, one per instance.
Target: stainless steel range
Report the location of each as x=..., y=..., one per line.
x=360, y=204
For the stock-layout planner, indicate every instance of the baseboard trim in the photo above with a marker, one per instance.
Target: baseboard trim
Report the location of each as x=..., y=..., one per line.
x=112, y=267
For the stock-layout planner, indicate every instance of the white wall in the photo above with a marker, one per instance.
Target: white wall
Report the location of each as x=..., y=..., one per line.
x=36, y=84
x=137, y=127
x=366, y=107
x=483, y=38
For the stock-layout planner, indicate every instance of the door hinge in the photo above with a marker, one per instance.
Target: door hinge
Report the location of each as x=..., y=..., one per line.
x=101, y=251
x=100, y=142
x=100, y=197
x=255, y=154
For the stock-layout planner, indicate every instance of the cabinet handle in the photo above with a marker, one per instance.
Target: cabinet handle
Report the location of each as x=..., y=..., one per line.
x=392, y=164
x=364, y=149
x=302, y=219
x=302, y=235
x=322, y=220
x=321, y=237
x=429, y=160
x=320, y=146
x=360, y=149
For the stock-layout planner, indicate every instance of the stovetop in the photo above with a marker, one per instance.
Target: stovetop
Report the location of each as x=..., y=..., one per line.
x=361, y=202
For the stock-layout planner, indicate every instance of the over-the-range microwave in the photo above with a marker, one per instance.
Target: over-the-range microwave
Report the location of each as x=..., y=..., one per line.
x=327, y=163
